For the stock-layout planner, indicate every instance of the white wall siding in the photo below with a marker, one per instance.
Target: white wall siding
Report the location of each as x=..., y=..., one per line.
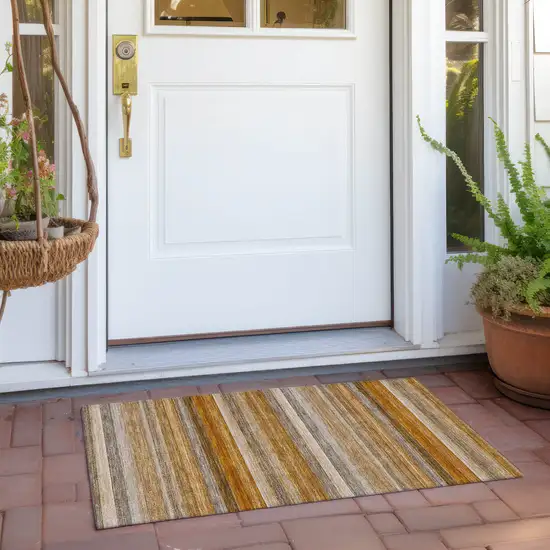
x=541, y=86
x=28, y=331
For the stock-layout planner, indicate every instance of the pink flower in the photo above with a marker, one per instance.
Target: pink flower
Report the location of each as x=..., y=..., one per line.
x=10, y=165
x=15, y=122
x=29, y=174
x=11, y=193
x=26, y=136
x=52, y=169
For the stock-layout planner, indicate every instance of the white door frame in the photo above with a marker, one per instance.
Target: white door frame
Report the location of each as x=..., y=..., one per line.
x=418, y=173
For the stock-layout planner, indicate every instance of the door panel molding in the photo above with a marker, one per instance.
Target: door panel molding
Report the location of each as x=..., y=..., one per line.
x=179, y=231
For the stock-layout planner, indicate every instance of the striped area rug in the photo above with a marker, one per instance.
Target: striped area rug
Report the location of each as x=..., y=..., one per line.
x=211, y=454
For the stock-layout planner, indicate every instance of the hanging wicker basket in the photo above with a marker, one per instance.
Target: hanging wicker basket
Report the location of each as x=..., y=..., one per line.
x=25, y=264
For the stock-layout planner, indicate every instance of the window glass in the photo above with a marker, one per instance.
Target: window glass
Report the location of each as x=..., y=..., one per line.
x=304, y=14
x=30, y=11
x=202, y=13
x=38, y=64
x=465, y=135
x=464, y=15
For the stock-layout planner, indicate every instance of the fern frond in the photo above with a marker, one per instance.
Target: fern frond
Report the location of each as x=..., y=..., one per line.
x=469, y=258
x=514, y=175
x=506, y=224
x=533, y=291
x=545, y=268
x=544, y=144
x=482, y=247
x=530, y=239
x=473, y=186
x=482, y=253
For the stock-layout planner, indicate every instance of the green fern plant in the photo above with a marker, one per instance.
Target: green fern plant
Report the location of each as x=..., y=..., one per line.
x=530, y=240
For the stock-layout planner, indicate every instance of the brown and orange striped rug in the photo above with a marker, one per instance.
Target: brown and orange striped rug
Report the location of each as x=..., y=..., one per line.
x=211, y=454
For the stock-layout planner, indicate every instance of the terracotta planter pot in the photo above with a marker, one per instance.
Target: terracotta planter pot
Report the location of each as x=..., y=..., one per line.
x=519, y=353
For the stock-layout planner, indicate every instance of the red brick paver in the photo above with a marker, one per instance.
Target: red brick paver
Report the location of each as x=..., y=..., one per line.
x=45, y=495
x=439, y=517
x=27, y=426
x=22, y=529
x=477, y=384
x=349, y=532
x=374, y=504
x=460, y=494
x=407, y=499
x=386, y=524
x=494, y=511
x=318, y=509
x=491, y=534
x=219, y=539
x=542, y=544
x=416, y=541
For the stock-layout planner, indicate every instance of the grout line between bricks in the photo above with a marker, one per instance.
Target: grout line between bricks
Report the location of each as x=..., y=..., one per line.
x=286, y=534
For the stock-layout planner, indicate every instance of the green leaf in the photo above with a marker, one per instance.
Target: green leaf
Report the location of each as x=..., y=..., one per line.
x=533, y=290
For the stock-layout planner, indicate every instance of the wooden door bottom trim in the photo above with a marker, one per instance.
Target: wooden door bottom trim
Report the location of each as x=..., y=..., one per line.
x=235, y=334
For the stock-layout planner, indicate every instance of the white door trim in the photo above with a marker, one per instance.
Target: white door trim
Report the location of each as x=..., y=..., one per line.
x=419, y=195
x=86, y=290
x=418, y=172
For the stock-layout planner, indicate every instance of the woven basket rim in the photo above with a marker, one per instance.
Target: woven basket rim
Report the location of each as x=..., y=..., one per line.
x=30, y=263
x=87, y=227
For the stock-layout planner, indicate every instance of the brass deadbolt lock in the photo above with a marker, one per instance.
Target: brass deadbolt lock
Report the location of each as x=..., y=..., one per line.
x=125, y=50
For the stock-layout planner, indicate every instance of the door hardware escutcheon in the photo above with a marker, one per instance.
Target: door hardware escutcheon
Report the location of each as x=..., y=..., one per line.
x=125, y=83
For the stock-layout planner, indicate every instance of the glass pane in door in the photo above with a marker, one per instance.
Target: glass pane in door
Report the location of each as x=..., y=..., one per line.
x=304, y=14
x=464, y=15
x=202, y=13
x=30, y=11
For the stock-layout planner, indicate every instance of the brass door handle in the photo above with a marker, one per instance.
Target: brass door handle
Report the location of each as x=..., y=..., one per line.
x=126, y=142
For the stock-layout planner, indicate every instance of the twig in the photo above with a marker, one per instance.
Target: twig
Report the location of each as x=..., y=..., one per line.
x=5, y=295
x=91, y=178
x=30, y=118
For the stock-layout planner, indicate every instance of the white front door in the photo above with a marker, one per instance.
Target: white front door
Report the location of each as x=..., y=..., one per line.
x=258, y=193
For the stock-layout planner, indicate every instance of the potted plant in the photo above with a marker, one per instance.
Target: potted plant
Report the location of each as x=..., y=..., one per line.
x=18, y=213
x=512, y=292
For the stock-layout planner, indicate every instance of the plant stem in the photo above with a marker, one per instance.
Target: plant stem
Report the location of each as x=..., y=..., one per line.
x=25, y=91
x=91, y=178
x=5, y=295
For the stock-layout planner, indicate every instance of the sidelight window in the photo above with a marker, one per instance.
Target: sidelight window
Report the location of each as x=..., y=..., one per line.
x=465, y=53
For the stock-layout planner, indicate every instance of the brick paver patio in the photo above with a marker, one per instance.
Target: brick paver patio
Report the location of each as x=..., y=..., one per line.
x=45, y=498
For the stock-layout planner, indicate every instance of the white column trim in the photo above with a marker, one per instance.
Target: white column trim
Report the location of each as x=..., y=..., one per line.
x=497, y=78
x=419, y=172
x=97, y=265
x=85, y=291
